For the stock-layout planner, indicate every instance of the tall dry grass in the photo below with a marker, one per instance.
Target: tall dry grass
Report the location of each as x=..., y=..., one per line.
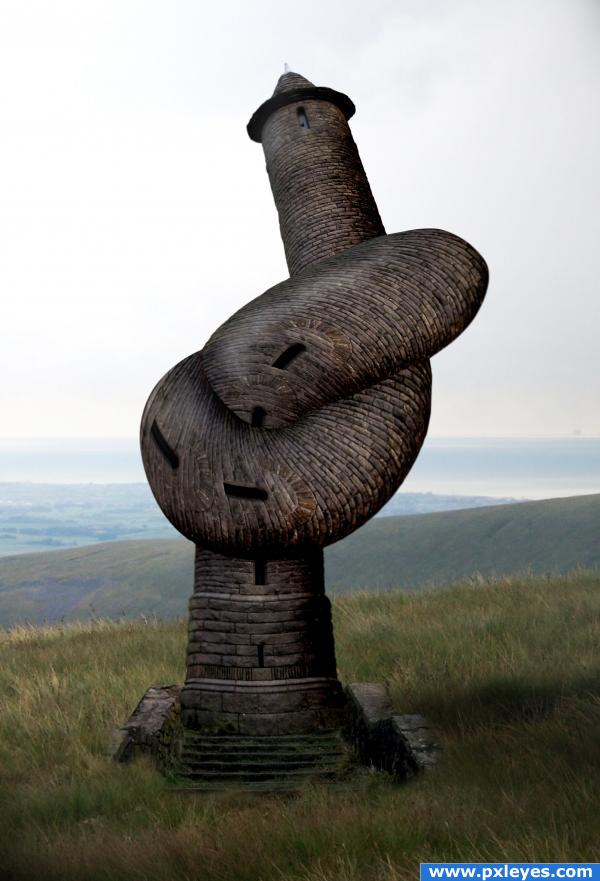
x=508, y=672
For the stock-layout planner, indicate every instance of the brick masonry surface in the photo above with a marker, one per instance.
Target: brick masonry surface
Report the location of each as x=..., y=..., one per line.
x=299, y=419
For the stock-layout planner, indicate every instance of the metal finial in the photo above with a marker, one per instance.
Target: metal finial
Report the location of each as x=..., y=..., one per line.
x=286, y=67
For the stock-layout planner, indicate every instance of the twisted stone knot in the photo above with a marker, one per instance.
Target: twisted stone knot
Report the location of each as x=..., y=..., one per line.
x=299, y=419
x=332, y=368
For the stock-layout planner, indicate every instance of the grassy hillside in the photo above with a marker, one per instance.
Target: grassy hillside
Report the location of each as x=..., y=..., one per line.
x=554, y=535
x=509, y=674
x=154, y=577
x=113, y=579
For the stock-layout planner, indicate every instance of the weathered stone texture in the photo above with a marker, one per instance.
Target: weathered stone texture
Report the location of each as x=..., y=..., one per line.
x=402, y=745
x=299, y=419
x=143, y=730
x=336, y=209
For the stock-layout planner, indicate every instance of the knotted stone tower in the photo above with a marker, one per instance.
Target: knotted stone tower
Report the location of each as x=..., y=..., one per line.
x=298, y=420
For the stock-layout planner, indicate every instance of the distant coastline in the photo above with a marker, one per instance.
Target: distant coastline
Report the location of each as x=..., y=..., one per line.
x=68, y=493
x=48, y=516
x=517, y=468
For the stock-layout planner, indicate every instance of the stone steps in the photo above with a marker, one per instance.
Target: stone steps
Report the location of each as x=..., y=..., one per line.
x=280, y=742
x=241, y=761
x=279, y=762
x=249, y=775
x=241, y=755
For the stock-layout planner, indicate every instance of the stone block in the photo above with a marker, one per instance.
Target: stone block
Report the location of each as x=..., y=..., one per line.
x=197, y=657
x=240, y=639
x=273, y=627
x=121, y=745
x=234, y=617
x=302, y=722
x=401, y=745
x=266, y=617
x=240, y=702
x=251, y=650
x=208, y=700
x=238, y=660
x=322, y=697
x=284, y=660
x=422, y=751
x=286, y=648
x=222, y=723
x=371, y=701
x=220, y=627
x=283, y=701
x=330, y=717
x=287, y=605
x=142, y=731
x=198, y=643
x=274, y=639
x=228, y=605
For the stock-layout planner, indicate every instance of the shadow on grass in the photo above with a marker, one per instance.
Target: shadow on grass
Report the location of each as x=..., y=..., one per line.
x=506, y=700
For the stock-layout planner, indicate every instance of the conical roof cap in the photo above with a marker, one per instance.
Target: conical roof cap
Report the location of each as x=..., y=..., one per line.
x=293, y=87
x=290, y=81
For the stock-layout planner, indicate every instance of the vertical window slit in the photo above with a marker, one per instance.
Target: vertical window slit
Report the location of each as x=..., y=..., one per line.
x=303, y=118
x=261, y=655
x=258, y=417
x=260, y=571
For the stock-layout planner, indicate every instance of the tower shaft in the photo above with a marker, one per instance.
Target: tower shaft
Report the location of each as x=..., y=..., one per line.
x=321, y=191
x=261, y=655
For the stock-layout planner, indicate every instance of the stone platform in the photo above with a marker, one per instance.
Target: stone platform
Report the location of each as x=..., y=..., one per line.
x=371, y=736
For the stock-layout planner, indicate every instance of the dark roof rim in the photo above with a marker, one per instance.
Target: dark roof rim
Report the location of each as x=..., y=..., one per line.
x=320, y=93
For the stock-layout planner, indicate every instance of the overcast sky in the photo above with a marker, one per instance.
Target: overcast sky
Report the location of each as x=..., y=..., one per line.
x=136, y=214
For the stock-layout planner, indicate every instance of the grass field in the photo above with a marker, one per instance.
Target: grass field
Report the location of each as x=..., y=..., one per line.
x=508, y=673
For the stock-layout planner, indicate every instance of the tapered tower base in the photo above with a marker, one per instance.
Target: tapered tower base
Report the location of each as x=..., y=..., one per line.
x=260, y=655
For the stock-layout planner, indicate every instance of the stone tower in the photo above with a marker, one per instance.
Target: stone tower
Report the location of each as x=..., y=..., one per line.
x=319, y=185
x=298, y=420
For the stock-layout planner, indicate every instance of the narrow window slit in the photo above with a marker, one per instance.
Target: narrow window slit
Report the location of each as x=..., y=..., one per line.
x=303, y=118
x=260, y=570
x=261, y=654
x=258, y=417
x=162, y=444
x=286, y=358
x=245, y=492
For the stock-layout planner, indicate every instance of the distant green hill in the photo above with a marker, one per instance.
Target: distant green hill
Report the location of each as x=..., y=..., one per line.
x=554, y=535
x=154, y=577
x=112, y=579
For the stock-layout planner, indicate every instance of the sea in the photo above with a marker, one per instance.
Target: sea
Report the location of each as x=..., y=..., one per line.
x=519, y=468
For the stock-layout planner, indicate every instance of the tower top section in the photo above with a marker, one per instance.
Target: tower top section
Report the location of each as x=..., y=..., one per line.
x=292, y=87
